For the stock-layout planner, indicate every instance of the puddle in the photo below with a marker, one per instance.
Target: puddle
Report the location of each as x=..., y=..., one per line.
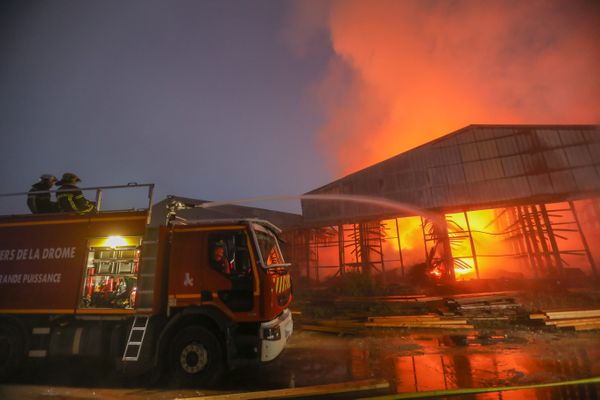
x=437, y=362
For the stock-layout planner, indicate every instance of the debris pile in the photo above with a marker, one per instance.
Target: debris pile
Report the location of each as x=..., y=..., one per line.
x=578, y=319
x=483, y=307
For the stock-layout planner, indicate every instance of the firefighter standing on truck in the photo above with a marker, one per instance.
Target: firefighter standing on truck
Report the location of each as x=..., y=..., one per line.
x=38, y=199
x=70, y=198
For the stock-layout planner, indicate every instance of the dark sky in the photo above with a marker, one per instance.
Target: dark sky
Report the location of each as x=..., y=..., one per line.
x=203, y=98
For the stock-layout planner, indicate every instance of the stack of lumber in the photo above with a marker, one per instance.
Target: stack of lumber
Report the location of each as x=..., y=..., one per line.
x=424, y=321
x=483, y=307
x=579, y=319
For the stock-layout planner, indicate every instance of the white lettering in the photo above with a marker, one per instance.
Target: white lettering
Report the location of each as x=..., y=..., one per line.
x=47, y=253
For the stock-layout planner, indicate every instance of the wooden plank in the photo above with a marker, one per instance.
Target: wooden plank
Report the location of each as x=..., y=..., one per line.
x=568, y=322
x=573, y=314
x=587, y=327
x=307, y=391
x=490, y=306
x=420, y=322
x=578, y=323
x=538, y=316
x=424, y=317
x=409, y=325
x=327, y=329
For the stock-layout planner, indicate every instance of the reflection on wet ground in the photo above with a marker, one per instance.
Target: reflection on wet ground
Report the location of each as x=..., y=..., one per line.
x=410, y=362
x=417, y=363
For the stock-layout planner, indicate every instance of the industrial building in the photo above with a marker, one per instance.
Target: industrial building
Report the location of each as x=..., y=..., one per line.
x=515, y=201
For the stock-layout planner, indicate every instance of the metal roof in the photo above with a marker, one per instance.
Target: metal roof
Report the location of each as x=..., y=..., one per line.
x=475, y=167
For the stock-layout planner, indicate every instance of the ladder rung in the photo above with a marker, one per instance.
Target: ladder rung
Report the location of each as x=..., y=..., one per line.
x=134, y=343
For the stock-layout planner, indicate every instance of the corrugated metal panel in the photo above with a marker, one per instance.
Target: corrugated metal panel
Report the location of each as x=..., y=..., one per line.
x=469, y=152
x=563, y=181
x=578, y=156
x=502, y=188
x=484, y=134
x=460, y=194
x=421, y=179
x=502, y=132
x=595, y=152
x=465, y=137
x=540, y=184
x=439, y=196
x=507, y=146
x=456, y=174
x=438, y=176
x=513, y=166
x=389, y=183
x=474, y=171
x=405, y=180
x=548, y=138
x=450, y=155
x=534, y=163
x=519, y=187
x=556, y=159
x=477, y=192
x=570, y=137
x=492, y=169
x=488, y=149
x=586, y=178
x=592, y=136
x=401, y=163
x=524, y=142
x=445, y=142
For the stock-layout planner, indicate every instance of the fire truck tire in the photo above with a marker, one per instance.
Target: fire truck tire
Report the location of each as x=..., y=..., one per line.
x=11, y=351
x=196, y=358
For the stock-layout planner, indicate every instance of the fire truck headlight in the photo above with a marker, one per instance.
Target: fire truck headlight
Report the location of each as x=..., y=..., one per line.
x=272, y=333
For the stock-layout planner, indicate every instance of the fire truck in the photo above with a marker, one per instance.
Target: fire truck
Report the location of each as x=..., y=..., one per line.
x=194, y=298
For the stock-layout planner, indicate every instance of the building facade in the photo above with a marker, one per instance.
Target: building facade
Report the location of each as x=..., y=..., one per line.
x=486, y=201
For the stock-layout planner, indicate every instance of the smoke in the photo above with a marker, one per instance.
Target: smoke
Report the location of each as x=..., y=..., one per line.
x=404, y=72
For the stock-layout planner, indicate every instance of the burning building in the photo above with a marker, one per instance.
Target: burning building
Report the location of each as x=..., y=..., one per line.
x=513, y=201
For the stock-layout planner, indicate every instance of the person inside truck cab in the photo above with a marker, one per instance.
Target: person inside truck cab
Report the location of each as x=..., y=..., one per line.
x=41, y=203
x=70, y=198
x=218, y=259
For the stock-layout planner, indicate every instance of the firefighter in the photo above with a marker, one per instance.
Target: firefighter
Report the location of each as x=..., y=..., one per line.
x=70, y=198
x=41, y=203
x=218, y=259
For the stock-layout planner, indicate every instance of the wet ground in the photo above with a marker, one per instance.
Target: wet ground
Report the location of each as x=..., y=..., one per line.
x=411, y=362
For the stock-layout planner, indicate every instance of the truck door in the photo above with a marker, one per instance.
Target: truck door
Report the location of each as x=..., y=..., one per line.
x=229, y=256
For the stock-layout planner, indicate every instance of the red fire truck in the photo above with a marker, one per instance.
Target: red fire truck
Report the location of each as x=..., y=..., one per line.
x=193, y=297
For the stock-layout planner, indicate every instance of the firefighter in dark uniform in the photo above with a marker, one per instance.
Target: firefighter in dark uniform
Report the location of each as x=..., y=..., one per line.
x=70, y=198
x=41, y=203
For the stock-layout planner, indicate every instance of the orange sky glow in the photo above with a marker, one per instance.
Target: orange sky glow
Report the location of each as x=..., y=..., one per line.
x=406, y=72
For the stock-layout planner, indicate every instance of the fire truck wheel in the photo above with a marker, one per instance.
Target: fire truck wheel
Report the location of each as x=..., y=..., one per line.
x=11, y=351
x=196, y=357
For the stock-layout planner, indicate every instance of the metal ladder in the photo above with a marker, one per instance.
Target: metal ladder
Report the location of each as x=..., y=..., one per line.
x=134, y=342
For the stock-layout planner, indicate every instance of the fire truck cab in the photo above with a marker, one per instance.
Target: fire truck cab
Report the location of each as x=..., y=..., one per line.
x=192, y=297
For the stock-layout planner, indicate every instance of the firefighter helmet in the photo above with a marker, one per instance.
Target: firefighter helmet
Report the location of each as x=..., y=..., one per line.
x=48, y=177
x=69, y=178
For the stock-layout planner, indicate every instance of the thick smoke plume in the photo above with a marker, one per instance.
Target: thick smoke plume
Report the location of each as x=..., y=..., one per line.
x=405, y=72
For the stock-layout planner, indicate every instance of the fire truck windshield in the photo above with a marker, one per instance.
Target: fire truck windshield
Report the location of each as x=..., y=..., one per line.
x=269, y=248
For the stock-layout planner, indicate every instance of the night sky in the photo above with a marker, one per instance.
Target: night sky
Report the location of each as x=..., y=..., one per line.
x=227, y=99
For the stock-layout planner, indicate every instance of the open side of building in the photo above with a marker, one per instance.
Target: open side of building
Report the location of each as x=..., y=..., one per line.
x=518, y=201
